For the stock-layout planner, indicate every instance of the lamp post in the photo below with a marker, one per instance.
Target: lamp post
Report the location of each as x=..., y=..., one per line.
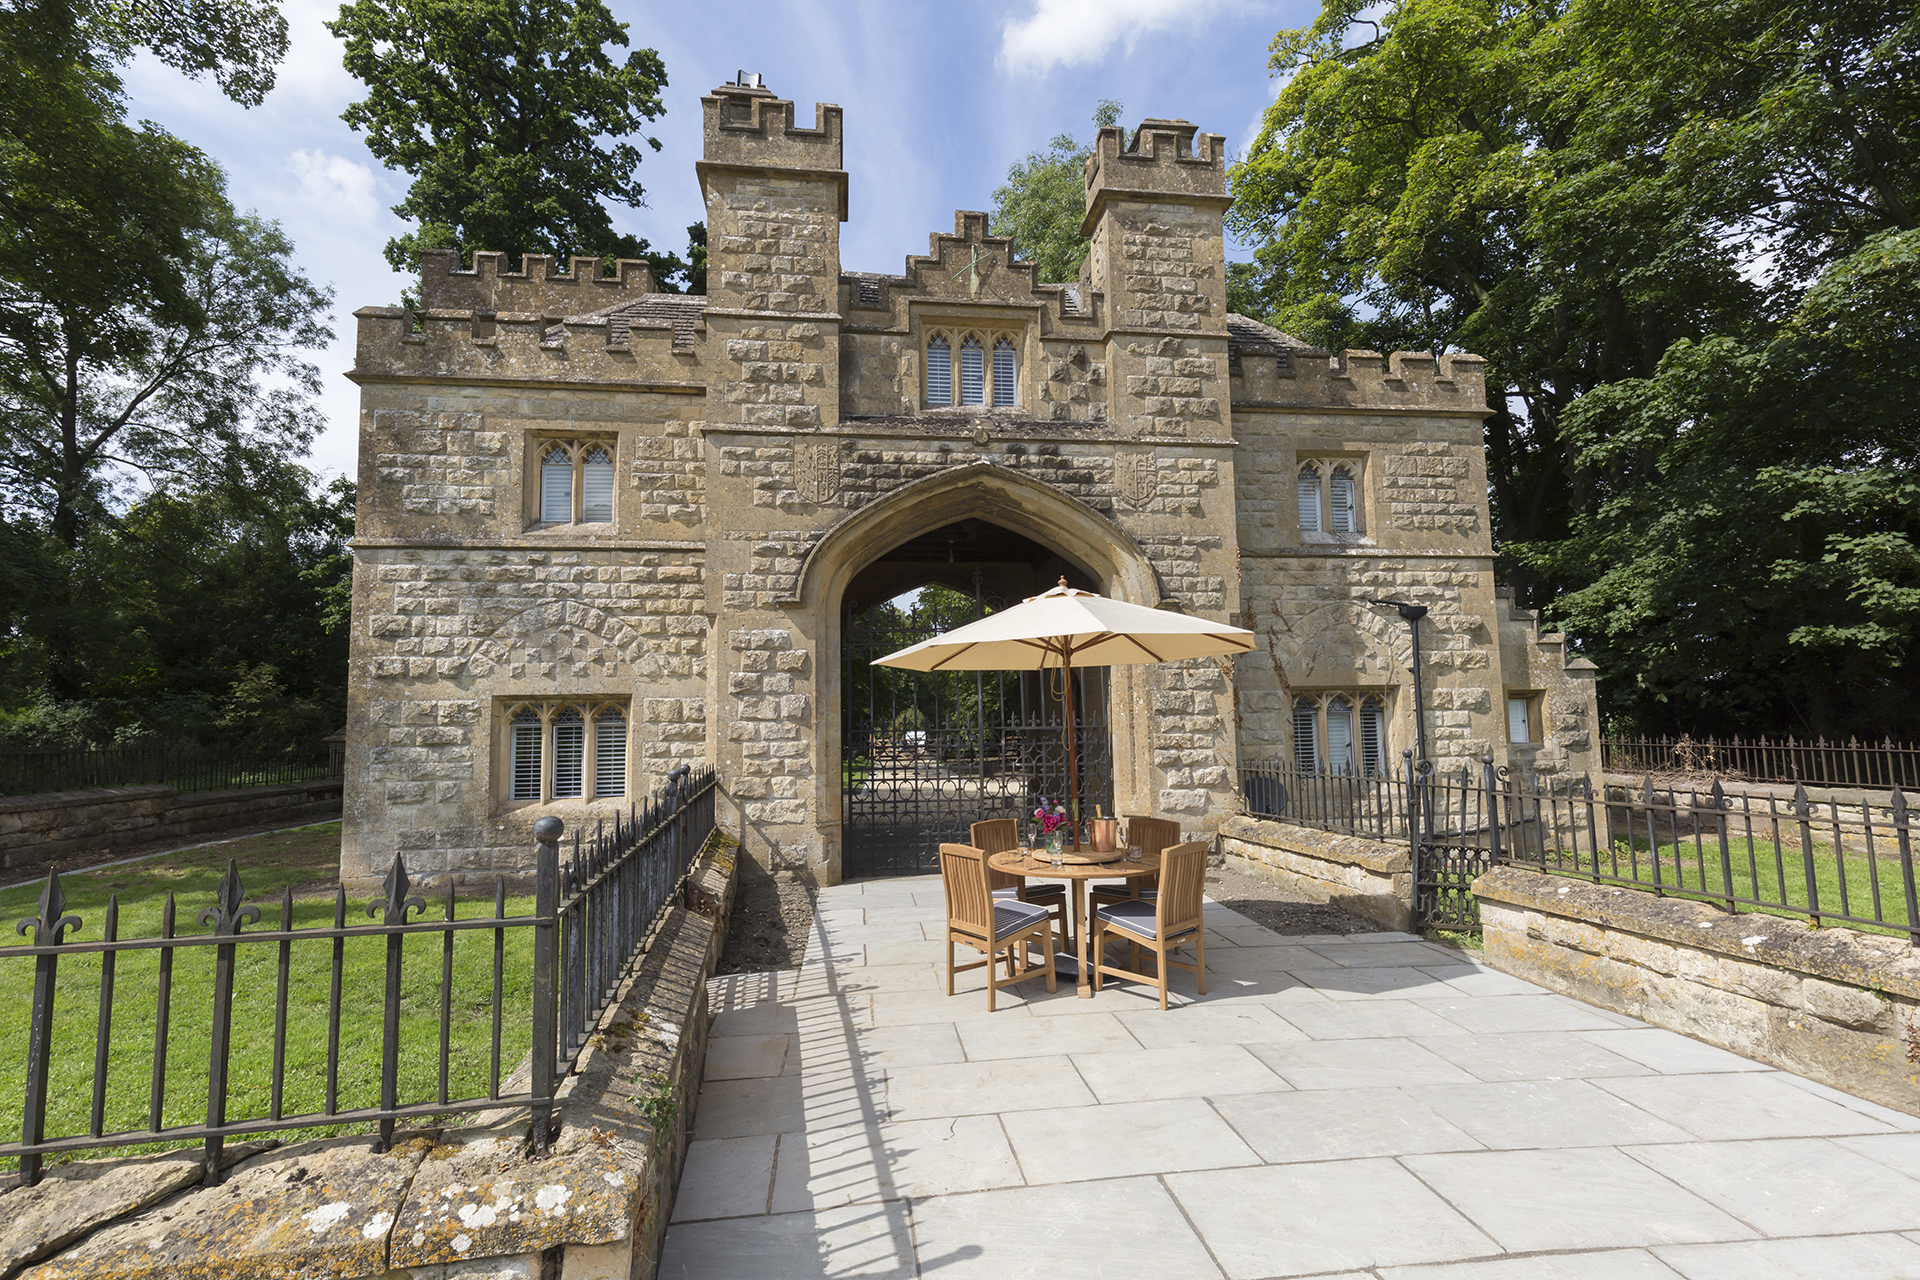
x=1413, y=613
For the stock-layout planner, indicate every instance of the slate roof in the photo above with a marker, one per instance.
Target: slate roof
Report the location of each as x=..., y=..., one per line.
x=684, y=311
x=1247, y=336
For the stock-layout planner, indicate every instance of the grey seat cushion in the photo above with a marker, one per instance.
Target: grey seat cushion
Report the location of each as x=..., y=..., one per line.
x=1135, y=916
x=1035, y=893
x=1121, y=889
x=1010, y=916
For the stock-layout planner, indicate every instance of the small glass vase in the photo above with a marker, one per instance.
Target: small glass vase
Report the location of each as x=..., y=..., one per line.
x=1055, y=846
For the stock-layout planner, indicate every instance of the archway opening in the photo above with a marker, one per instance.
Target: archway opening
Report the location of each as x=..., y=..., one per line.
x=925, y=755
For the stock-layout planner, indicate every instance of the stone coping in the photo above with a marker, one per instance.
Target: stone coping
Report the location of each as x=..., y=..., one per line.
x=439, y=1201
x=1874, y=961
x=1380, y=857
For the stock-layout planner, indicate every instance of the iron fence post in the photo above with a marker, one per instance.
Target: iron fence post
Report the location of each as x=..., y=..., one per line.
x=393, y=907
x=227, y=917
x=546, y=940
x=1803, y=811
x=1493, y=808
x=1718, y=796
x=1901, y=830
x=49, y=929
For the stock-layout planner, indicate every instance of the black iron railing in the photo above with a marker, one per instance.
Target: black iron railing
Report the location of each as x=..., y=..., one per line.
x=1372, y=805
x=1829, y=862
x=182, y=768
x=594, y=910
x=1816, y=762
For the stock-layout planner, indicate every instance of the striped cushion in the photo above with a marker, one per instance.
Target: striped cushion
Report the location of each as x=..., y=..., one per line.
x=1010, y=917
x=1135, y=917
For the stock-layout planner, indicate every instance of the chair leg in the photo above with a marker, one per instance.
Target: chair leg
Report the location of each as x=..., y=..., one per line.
x=1047, y=949
x=993, y=983
x=1097, y=956
x=949, y=964
x=1160, y=952
x=1200, y=957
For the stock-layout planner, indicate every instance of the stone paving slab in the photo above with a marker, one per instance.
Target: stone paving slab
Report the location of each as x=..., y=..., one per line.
x=1375, y=1106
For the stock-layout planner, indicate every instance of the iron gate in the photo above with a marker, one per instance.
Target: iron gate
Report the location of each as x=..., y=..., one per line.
x=1443, y=876
x=925, y=754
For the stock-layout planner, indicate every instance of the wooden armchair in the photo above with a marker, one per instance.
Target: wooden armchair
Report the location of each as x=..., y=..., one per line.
x=996, y=926
x=1153, y=835
x=1163, y=925
x=997, y=835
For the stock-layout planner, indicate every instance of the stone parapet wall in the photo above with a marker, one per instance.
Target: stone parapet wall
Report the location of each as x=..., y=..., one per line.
x=442, y=1203
x=36, y=828
x=1369, y=878
x=1836, y=1005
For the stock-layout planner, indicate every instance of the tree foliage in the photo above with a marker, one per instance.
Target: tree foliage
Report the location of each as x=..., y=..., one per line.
x=1043, y=203
x=149, y=350
x=512, y=119
x=1680, y=237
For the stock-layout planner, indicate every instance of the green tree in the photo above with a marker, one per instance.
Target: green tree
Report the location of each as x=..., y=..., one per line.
x=1677, y=235
x=1043, y=203
x=511, y=118
x=147, y=329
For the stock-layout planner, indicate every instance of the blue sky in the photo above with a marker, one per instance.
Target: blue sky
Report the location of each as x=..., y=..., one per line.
x=940, y=100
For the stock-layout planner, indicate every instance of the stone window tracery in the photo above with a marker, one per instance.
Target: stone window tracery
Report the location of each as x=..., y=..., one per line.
x=987, y=372
x=1343, y=733
x=1328, y=495
x=565, y=750
x=575, y=481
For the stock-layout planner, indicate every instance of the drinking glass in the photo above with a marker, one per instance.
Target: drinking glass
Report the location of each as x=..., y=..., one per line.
x=1133, y=853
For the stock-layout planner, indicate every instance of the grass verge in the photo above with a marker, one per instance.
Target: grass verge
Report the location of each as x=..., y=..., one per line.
x=307, y=862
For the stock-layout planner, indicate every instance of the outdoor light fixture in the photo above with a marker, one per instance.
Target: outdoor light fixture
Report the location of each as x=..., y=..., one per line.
x=1412, y=613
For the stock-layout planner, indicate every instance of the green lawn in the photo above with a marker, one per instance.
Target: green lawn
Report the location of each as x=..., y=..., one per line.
x=1690, y=872
x=855, y=772
x=269, y=864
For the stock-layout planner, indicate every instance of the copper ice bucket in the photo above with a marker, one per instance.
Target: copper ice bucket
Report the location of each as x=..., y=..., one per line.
x=1104, y=832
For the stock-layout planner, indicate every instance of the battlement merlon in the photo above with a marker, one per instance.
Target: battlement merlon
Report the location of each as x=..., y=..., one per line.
x=446, y=286
x=501, y=347
x=745, y=129
x=1170, y=161
x=1364, y=381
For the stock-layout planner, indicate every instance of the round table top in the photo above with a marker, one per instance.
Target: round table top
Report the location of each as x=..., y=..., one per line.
x=1017, y=862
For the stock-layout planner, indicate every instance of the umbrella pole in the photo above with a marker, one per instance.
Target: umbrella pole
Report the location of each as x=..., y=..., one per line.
x=1073, y=757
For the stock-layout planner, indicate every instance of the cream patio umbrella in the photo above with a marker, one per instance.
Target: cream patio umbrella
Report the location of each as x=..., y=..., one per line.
x=1066, y=628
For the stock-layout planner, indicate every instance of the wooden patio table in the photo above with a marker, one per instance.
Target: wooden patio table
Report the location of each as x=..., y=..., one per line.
x=1034, y=862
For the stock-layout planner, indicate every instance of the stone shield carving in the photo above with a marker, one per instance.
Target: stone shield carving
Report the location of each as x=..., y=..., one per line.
x=1136, y=476
x=816, y=469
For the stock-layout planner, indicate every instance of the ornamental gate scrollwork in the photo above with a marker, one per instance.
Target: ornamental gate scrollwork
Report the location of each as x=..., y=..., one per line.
x=925, y=755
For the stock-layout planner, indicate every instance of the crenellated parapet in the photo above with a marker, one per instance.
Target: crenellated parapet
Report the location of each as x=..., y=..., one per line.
x=745, y=127
x=455, y=344
x=536, y=287
x=1169, y=160
x=1308, y=377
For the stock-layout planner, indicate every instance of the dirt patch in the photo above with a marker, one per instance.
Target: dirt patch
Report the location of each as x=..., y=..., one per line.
x=105, y=853
x=1280, y=909
x=314, y=850
x=772, y=918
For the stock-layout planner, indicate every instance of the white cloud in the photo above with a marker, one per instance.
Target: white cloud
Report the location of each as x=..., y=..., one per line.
x=343, y=187
x=1072, y=32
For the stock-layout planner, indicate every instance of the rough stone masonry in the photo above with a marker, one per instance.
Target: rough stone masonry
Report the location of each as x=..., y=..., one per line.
x=604, y=531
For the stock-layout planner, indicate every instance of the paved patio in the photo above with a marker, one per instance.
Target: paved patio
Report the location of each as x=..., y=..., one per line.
x=1342, y=1107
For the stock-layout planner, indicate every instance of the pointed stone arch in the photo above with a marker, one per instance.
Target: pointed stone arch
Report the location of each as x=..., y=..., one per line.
x=983, y=490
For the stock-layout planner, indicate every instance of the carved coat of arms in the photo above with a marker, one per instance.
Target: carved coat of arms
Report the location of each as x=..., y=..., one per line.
x=816, y=469
x=1136, y=476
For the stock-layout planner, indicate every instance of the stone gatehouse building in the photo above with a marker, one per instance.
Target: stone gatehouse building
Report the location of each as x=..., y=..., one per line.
x=604, y=531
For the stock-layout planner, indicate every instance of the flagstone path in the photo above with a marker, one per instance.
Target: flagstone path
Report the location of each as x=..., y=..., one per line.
x=1372, y=1105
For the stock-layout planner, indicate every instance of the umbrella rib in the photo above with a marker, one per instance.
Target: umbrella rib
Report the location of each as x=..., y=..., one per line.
x=1230, y=640
x=950, y=657
x=1142, y=648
